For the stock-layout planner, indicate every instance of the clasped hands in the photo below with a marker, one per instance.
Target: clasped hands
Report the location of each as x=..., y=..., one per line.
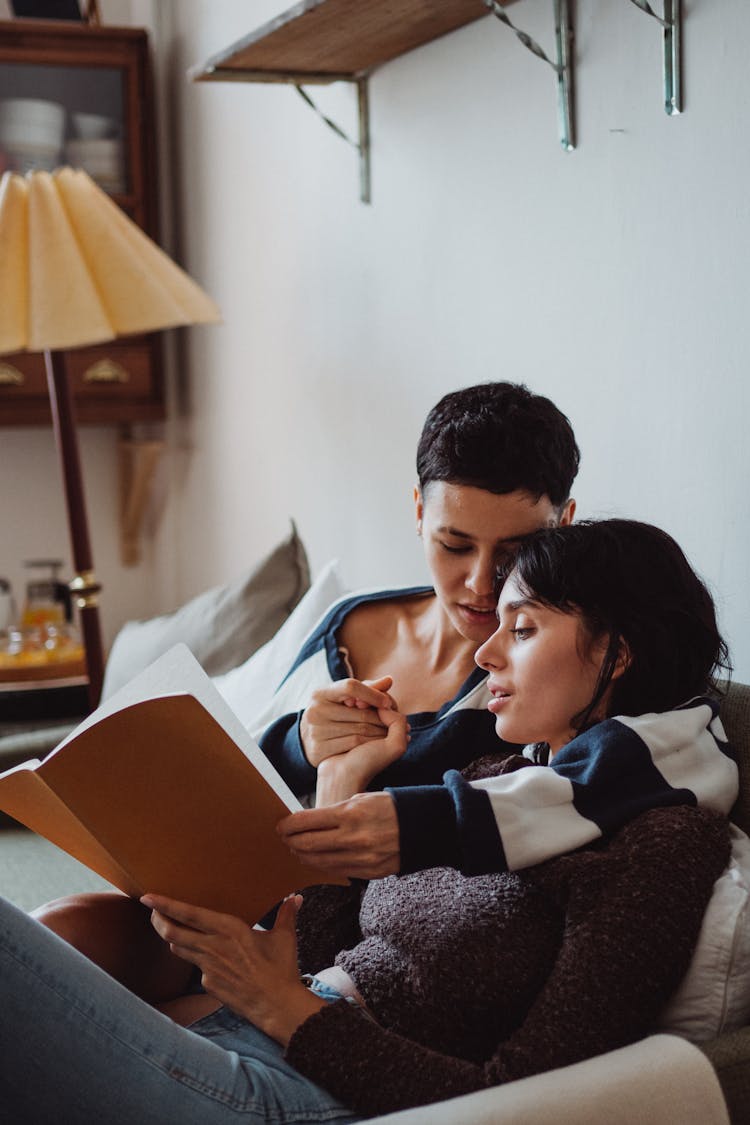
x=351, y=731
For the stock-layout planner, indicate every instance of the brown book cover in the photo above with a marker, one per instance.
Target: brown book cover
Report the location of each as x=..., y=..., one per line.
x=161, y=789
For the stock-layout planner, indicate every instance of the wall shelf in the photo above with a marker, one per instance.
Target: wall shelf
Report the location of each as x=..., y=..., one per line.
x=322, y=41
x=317, y=42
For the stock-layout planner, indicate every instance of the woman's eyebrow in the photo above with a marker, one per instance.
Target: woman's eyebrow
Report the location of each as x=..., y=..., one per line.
x=512, y=540
x=521, y=603
x=446, y=530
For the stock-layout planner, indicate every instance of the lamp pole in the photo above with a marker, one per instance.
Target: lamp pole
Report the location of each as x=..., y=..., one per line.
x=84, y=586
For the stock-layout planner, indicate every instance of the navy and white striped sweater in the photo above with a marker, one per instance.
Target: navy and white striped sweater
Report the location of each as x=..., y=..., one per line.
x=595, y=784
x=598, y=782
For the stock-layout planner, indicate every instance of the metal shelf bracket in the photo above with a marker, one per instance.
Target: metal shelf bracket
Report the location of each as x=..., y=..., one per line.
x=563, y=64
x=362, y=145
x=672, y=36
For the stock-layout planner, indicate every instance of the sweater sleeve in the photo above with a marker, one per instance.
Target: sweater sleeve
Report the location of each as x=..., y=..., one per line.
x=622, y=955
x=601, y=780
x=281, y=742
x=327, y=922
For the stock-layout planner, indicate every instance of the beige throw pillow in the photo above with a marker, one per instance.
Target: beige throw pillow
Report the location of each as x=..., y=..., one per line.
x=223, y=626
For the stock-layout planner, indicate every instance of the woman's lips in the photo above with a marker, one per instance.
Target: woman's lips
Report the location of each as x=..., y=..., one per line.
x=499, y=699
x=485, y=615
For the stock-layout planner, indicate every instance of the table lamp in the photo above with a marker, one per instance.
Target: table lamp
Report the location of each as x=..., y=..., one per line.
x=74, y=271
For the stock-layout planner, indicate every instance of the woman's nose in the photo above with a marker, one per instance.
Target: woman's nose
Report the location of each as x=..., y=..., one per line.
x=481, y=577
x=490, y=655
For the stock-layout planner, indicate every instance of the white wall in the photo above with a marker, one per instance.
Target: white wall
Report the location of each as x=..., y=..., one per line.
x=613, y=279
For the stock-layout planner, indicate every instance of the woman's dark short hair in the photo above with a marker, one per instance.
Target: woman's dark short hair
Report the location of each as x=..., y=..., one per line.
x=631, y=583
x=500, y=437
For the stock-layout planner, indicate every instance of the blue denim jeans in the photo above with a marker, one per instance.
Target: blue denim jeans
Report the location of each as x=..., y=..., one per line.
x=76, y=1047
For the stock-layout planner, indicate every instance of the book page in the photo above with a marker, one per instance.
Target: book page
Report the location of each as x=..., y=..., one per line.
x=25, y=795
x=177, y=672
x=164, y=789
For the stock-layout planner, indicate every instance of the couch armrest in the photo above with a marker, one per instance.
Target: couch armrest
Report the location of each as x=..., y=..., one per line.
x=662, y=1080
x=730, y=1057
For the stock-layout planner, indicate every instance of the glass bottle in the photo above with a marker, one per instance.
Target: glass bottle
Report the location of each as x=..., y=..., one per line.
x=44, y=602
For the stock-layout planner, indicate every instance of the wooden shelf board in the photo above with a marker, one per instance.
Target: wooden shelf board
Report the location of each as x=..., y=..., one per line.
x=70, y=674
x=329, y=40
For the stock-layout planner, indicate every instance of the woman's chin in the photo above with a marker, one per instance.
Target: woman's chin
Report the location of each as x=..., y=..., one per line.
x=505, y=732
x=510, y=732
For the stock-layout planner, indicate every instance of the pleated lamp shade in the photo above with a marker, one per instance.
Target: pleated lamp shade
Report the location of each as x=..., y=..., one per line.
x=75, y=270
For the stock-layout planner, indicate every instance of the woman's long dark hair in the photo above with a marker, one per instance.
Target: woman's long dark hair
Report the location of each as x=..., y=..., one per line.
x=632, y=584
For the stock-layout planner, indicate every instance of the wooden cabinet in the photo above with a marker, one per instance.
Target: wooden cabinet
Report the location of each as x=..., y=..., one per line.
x=100, y=76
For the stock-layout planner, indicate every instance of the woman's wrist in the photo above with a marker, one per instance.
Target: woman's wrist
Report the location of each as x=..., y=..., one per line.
x=337, y=780
x=289, y=1012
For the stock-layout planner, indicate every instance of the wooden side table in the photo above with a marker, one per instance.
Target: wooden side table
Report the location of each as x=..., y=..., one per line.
x=30, y=701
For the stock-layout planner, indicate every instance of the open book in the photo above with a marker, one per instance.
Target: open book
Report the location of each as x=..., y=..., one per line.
x=162, y=789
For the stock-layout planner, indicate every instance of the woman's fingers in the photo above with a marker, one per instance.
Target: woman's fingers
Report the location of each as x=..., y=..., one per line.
x=195, y=917
x=358, y=837
x=366, y=692
x=383, y=685
x=187, y=928
x=286, y=916
x=342, y=716
x=336, y=721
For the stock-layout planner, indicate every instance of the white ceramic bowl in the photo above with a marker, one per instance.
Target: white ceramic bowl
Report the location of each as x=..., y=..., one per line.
x=30, y=121
x=93, y=126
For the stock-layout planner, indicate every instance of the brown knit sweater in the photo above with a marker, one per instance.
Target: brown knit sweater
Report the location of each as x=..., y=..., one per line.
x=475, y=981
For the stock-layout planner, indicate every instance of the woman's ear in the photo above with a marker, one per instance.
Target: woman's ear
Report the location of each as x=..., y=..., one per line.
x=623, y=661
x=418, y=508
x=568, y=513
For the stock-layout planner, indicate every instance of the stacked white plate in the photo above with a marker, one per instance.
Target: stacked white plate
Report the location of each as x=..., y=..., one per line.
x=92, y=126
x=31, y=133
x=102, y=158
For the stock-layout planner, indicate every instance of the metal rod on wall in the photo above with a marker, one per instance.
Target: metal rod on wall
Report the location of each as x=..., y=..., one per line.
x=363, y=144
x=363, y=102
x=563, y=65
x=671, y=24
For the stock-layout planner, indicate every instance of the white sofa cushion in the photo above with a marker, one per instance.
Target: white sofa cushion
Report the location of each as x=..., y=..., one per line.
x=715, y=993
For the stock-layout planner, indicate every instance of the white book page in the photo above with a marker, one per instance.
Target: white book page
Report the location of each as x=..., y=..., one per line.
x=30, y=765
x=177, y=672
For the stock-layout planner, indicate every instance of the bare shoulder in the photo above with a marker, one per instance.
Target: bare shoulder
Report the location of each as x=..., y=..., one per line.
x=383, y=616
x=367, y=614
x=374, y=631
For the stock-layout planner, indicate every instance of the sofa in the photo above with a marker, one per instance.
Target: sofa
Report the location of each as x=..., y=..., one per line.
x=729, y=1054
x=664, y=1078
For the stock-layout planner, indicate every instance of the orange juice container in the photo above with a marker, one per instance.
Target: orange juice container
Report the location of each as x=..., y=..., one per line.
x=43, y=603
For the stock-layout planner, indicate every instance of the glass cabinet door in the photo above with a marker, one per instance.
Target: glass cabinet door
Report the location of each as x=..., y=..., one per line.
x=52, y=115
x=80, y=95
